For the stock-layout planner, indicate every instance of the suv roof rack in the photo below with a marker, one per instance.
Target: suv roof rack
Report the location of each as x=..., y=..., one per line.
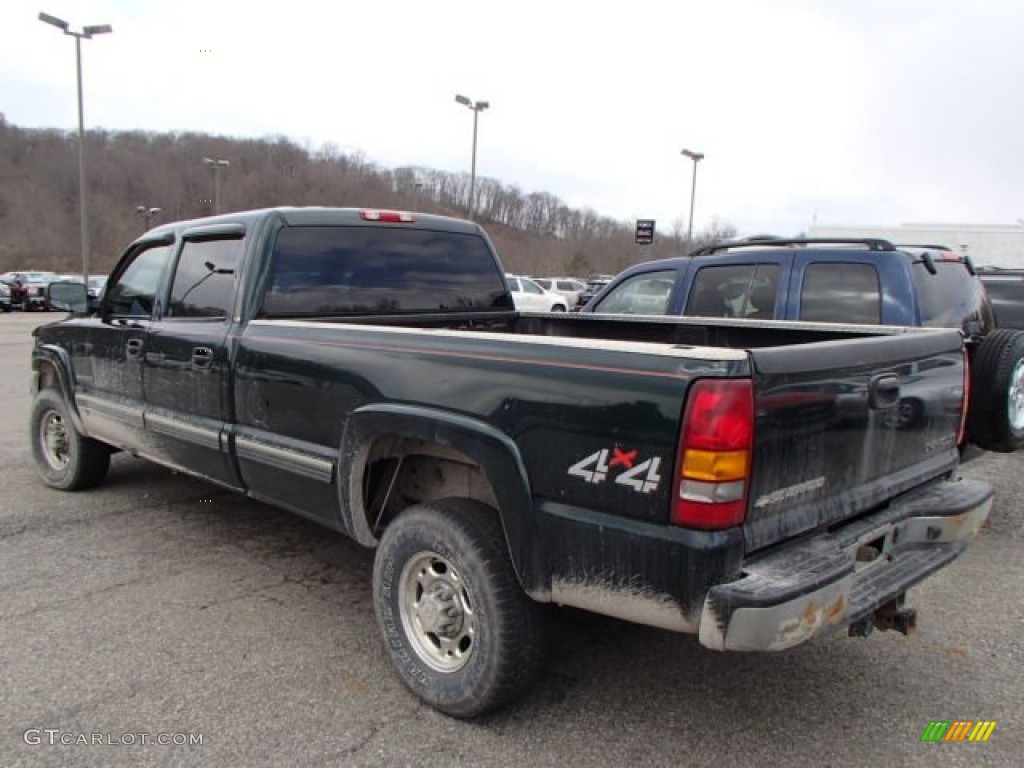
x=932, y=247
x=872, y=243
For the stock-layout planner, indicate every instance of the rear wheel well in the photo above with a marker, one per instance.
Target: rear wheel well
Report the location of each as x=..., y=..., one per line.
x=401, y=472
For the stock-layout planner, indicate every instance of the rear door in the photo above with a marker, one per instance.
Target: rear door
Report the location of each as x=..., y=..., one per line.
x=186, y=373
x=748, y=286
x=844, y=425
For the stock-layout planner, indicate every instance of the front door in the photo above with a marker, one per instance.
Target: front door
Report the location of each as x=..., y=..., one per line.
x=108, y=365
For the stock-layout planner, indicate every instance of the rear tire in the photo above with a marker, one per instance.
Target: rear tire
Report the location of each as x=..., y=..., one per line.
x=995, y=417
x=461, y=632
x=65, y=459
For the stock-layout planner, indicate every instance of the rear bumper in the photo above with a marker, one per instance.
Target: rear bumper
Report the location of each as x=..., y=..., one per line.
x=827, y=581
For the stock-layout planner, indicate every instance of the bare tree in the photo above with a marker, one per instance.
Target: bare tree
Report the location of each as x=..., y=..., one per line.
x=535, y=232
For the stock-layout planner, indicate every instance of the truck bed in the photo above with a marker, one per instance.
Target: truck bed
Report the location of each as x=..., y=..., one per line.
x=569, y=387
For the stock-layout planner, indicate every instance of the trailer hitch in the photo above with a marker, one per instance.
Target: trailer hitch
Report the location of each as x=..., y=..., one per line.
x=893, y=615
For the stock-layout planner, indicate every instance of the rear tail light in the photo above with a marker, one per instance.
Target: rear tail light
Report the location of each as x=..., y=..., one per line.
x=715, y=455
x=400, y=217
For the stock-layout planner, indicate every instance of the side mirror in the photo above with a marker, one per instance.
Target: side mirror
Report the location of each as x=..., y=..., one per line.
x=69, y=297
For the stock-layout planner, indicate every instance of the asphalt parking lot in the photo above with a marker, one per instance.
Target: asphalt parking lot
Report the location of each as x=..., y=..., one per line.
x=158, y=604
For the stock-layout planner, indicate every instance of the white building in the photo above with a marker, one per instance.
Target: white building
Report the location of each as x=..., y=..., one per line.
x=990, y=245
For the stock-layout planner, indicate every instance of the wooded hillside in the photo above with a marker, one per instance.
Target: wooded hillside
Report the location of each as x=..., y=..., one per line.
x=535, y=232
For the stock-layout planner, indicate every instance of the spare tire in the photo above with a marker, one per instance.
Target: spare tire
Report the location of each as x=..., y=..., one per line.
x=995, y=415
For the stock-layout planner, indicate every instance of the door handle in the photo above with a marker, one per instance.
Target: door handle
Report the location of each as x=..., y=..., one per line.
x=202, y=357
x=133, y=349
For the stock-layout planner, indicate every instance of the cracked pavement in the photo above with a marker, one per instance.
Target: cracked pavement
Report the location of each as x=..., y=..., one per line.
x=159, y=603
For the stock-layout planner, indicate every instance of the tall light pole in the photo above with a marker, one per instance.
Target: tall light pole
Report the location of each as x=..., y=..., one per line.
x=147, y=213
x=216, y=165
x=87, y=32
x=696, y=157
x=477, y=107
x=417, y=185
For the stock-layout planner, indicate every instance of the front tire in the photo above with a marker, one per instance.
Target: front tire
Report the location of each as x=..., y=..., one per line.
x=461, y=632
x=65, y=459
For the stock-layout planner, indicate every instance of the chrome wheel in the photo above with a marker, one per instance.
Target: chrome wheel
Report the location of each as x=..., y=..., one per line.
x=1015, y=397
x=53, y=438
x=436, y=612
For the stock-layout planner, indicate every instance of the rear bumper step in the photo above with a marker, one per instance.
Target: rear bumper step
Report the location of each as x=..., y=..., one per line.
x=834, y=579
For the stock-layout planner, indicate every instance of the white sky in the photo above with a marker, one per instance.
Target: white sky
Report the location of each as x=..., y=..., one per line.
x=853, y=111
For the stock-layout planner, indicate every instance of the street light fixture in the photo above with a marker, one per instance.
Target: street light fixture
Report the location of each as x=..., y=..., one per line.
x=87, y=32
x=216, y=165
x=696, y=157
x=147, y=213
x=477, y=107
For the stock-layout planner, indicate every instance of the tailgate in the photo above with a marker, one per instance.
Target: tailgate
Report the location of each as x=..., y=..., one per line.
x=843, y=426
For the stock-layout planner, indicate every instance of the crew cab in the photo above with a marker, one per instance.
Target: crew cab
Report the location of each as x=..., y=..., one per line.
x=367, y=369
x=861, y=281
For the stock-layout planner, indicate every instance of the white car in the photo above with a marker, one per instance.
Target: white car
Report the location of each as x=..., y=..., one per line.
x=530, y=297
x=567, y=287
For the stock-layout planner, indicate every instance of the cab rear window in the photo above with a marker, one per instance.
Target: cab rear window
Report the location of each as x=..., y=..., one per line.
x=332, y=270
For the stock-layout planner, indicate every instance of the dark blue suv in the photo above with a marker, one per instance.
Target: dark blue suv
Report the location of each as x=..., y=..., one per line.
x=846, y=281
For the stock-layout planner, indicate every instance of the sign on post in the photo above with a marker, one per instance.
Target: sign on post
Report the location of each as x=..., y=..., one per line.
x=644, y=231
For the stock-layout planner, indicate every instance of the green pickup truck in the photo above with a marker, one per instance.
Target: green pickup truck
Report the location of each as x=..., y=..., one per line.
x=367, y=369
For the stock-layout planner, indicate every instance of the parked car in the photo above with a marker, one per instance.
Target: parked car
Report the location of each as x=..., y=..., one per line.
x=569, y=288
x=1005, y=289
x=593, y=287
x=28, y=288
x=368, y=369
x=530, y=297
x=857, y=280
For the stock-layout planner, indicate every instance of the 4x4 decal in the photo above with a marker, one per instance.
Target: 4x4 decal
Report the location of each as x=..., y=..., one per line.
x=642, y=477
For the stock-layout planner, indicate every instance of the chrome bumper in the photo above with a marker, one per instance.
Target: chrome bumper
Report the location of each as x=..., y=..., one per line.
x=831, y=580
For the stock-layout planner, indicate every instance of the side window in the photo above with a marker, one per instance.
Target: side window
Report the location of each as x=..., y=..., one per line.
x=531, y=287
x=841, y=293
x=204, y=279
x=645, y=294
x=740, y=290
x=134, y=291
